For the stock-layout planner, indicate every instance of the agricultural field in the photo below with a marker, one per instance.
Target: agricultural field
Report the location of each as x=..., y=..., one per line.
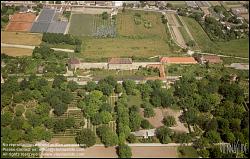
x=124, y=47
x=214, y=3
x=178, y=4
x=154, y=152
x=13, y=51
x=231, y=4
x=126, y=24
x=234, y=47
x=86, y=24
x=21, y=38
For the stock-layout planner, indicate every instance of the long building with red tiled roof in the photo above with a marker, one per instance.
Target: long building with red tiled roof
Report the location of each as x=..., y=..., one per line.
x=178, y=60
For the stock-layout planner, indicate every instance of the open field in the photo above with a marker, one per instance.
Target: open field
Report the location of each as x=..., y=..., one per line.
x=154, y=152
x=21, y=38
x=124, y=47
x=126, y=25
x=86, y=24
x=234, y=47
x=11, y=51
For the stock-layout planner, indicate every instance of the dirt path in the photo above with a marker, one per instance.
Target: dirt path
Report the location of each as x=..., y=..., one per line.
x=32, y=47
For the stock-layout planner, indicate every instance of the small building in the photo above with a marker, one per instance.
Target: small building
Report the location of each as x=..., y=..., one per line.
x=178, y=60
x=145, y=133
x=74, y=63
x=120, y=63
x=210, y=58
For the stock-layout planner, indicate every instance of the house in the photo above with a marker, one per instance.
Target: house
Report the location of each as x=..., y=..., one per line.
x=74, y=63
x=145, y=133
x=210, y=58
x=120, y=63
x=239, y=10
x=178, y=60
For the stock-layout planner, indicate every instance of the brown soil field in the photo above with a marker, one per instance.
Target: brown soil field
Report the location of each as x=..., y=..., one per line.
x=156, y=121
x=154, y=152
x=21, y=38
x=11, y=51
x=23, y=17
x=18, y=26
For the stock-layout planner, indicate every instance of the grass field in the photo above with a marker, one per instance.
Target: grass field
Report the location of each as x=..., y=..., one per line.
x=86, y=24
x=21, y=38
x=124, y=47
x=178, y=4
x=127, y=27
x=13, y=51
x=234, y=47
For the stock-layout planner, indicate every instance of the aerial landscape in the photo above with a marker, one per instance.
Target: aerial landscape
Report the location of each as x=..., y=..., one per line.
x=124, y=79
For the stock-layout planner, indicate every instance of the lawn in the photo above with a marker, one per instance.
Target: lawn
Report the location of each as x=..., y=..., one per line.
x=86, y=24
x=13, y=51
x=187, y=152
x=134, y=100
x=126, y=25
x=21, y=38
x=124, y=47
x=234, y=47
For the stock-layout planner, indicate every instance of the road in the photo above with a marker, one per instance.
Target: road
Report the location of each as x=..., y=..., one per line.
x=32, y=47
x=237, y=57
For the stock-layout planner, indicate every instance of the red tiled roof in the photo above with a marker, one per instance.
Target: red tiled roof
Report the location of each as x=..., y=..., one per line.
x=181, y=60
x=120, y=61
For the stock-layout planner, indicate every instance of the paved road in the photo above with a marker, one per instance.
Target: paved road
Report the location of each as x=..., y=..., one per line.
x=32, y=47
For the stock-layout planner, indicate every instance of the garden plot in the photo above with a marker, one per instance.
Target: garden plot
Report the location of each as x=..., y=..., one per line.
x=89, y=25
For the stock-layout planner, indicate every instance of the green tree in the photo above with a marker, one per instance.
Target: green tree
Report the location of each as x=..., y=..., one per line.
x=86, y=137
x=105, y=15
x=69, y=122
x=129, y=86
x=131, y=138
x=106, y=117
x=145, y=124
x=163, y=134
x=118, y=88
x=169, y=121
x=19, y=110
x=91, y=85
x=108, y=137
x=149, y=112
x=6, y=118
x=213, y=136
x=228, y=137
x=72, y=85
x=59, y=79
x=17, y=123
x=59, y=125
x=124, y=151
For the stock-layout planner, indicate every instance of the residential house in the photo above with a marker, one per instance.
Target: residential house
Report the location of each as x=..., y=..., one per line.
x=145, y=133
x=210, y=58
x=239, y=10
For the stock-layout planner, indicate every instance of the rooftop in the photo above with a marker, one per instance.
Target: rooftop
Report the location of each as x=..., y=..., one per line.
x=120, y=61
x=180, y=60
